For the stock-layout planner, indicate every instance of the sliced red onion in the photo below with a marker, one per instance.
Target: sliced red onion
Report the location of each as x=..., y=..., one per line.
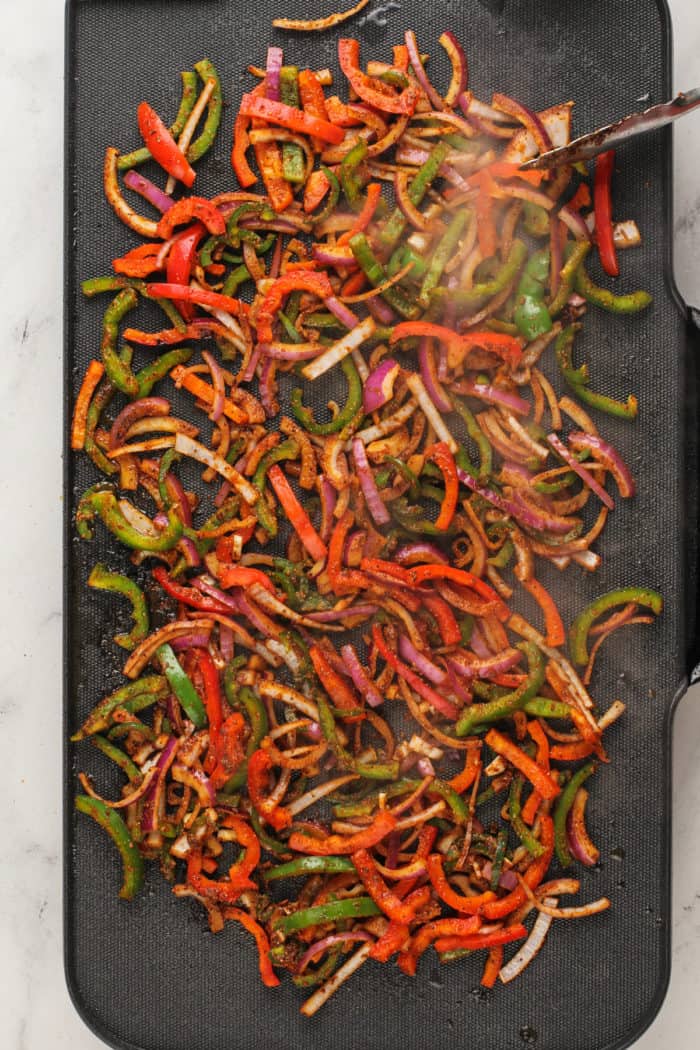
x=148, y=190
x=219, y=385
x=342, y=312
x=150, y=813
x=478, y=643
x=226, y=642
x=420, y=551
x=363, y=683
x=277, y=225
x=431, y=671
x=328, y=497
x=419, y=70
x=268, y=388
x=525, y=513
x=290, y=351
x=609, y=457
x=227, y=601
x=178, y=494
x=474, y=106
x=494, y=395
x=507, y=881
x=573, y=221
x=250, y=368
x=379, y=387
x=196, y=778
x=425, y=767
x=457, y=688
x=585, y=475
x=626, y=234
x=557, y=123
x=411, y=155
x=191, y=554
x=580, y=847
x=368, y=485
x=276, y=260
x=460, y=68
x=273, y=68
x=338, y=257
x=428, y=371
x=380, y=310
x=196, y=640
x=333, y=938
x=485, y=667
x=531, y=120
x=351, y=611
x=141, y=409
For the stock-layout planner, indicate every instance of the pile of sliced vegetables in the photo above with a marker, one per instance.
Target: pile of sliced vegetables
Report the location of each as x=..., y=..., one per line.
x=342, y=569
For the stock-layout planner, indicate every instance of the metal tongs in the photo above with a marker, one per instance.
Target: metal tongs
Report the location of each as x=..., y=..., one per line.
x=612, y=135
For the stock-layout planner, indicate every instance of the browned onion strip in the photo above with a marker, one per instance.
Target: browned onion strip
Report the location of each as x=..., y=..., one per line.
x=316, y=25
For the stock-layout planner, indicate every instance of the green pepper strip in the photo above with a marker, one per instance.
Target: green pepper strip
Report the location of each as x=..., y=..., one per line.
x=350, y=179
x=531, y=314
x=578, y=633
x=103, y=503
x=506, y=327
x=324, y=971
x=101, y=399
x=442, y=255
x=321, y=320
x=411, y=518
x=148, y=689
x=204, y=142
x=103, y=580
x=577, y=379
x=226, y=512
x=574, y=258
x=158, y=369
x=122, y=729
x=478, y=437
x=333, y=911
x=257, y=716
x=560, y=483
x=531, y=844
x=535, y=219
x=352, y=406
x=401, y=257
x=478, y=714
x=561, y=812
x=543, y=707
x=272, y=845
x=616, y=304
x=119, y=373
x=189, y=97
x=97, y=285
x=499, y=857
x=372, y=771
x=289, y=329
x=293, y=160
x=182, y=686
x=376, y=275
x=266, y=515
x=501, y=560
x=487, y=289
x=420, y=183
x=234, y=279
x=310, y=866
x=329, y=207
x=129, y=768
x=117, y=830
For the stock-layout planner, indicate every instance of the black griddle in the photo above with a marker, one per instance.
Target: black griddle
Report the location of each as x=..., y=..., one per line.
x=149, y=975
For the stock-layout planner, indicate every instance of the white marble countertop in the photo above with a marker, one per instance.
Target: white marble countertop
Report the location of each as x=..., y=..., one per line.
x=37, y=1012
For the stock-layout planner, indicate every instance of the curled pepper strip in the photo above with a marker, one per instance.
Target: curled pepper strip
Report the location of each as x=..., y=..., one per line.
x=381, y=826
x=315, y=283
x=542, y=781
x=373, y=91
x=259, y=766
x=441, y=456
x=578, y=634
x=92, y=377
x=397, y=910
x=421, y=941
x=102, y=503
x=564, y=804
x=186, y=210
x=268, y=975
x=120, y=835
x=456, y=901
x=103, y=580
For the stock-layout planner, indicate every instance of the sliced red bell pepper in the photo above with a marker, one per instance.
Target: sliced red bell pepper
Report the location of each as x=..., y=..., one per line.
x=504, y=346
x=259, y=766
x=290, y=117
x=456, y=901
x=380, y=567
x=239, y=162
x=213, y=705
x=481, y=940
x=316, y=188
x=581, y=199
x=342, y=580
x=180, y=262
x=438, y=571
x=230, y=751
x=315, y=283
x=532, y=877
x=445, y=707
x=296, y=515
x=341, y=114
x=93, y=375
x=269, y=161
x=529, y=810
x=542, y=781
x=472, y=763
x=223, y=891
x=392, y=940
x=602, y=204
x=373, y=92
x=186, y=210
x=244, y=576
x=268, y=975
x=341, y=693
x=441, y=456
x=554, y=626
x=382, y=825
x=141, y=261
x=421, y=941
x=374, y=193
x=163, y=147
x=203, y=296
x=187, y=595
x=492, y=966
x=445, y=619
x=394, y=908
x=313, y=100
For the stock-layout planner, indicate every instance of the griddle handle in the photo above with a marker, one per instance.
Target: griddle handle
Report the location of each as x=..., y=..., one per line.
x=692, y=493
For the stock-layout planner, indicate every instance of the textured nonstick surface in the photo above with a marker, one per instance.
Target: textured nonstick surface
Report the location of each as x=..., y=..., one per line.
x=148, y=974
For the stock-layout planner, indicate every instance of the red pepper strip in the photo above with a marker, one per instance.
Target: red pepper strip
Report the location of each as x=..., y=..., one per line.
x=269, y=161
x=483, y=940
x=408, y=959
x=464, y=780
x=382, y=825
x=187, y=595
x=180, y=262
x=290, y=117
x=445, y=619
x=224, y=891
x=396, y=910
x=205, y=392
x=492, y=966
x=581, y=199
x=588, y=734
x=313, y=100
x=443, y=706
x=213, y=705
x=198, y=295
x=527, y=766
x=379, y=567
x=316, y=188
x=529, y=810
x=571, y=752
x=442, y=457
x=400, y=53
x=343, y=581
x=554, y=627
x=341, y=114
x=163, y=147
x=296, y=515
x=172, y=336
x=342, y=695
x=374, y=193
x=456, y=901
x=602, y=204
x=392, y=940
x=139, y=262
x=485, y=226
x=354, y=284
x=438, y=571
x=259, y=765
x=268, y=975
x=372, y=91
x=191, y=208
x=230, y=752
x=316, y=283
x=532, y=877
x=426, y=839
x=239, y=162
x=243, y=576
x=502, y=169
x=504, y=346
x=95, y=371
